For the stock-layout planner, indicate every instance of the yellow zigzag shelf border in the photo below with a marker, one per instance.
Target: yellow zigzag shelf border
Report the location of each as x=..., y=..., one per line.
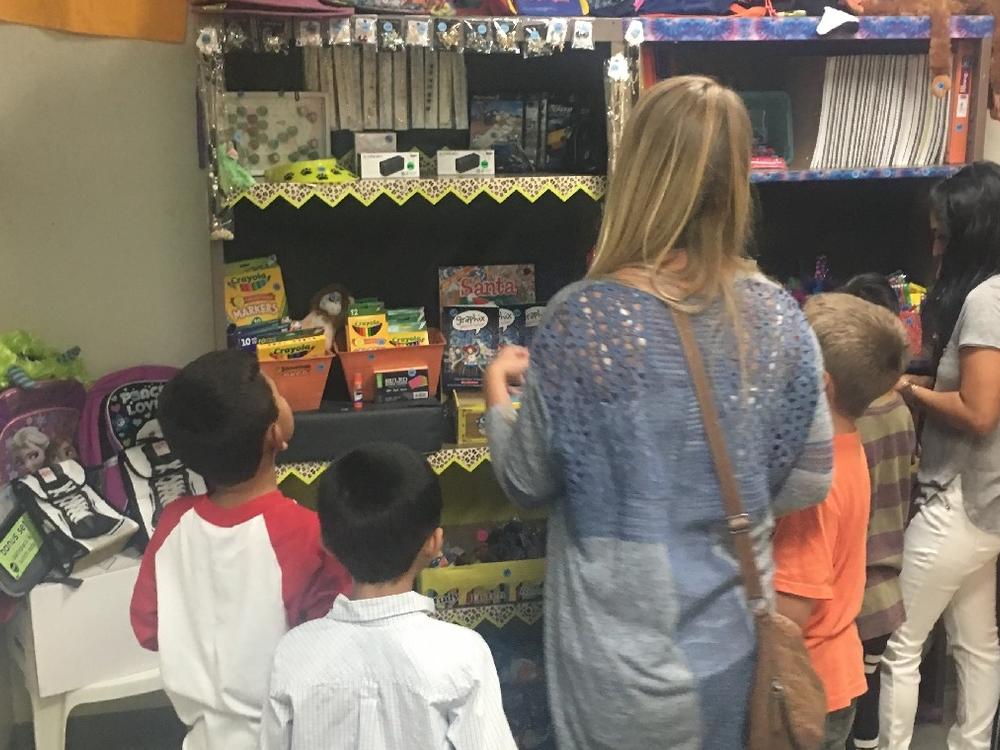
x=466, y=189
x=469, y=459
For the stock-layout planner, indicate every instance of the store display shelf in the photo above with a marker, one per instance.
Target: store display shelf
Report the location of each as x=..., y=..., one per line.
x=801, y=28
x=835, y=175
x=466, y=189
x=336, y=428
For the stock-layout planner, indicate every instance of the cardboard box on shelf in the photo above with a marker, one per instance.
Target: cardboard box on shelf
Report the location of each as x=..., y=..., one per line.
x=391, y=165
x=460, y=163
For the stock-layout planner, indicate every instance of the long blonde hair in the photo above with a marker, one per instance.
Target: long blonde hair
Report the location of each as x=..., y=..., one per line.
x=681, y=183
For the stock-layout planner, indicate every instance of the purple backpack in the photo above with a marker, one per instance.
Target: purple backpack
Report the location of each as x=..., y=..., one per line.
x=38, y=426
x=119, y=414
x=119, y=411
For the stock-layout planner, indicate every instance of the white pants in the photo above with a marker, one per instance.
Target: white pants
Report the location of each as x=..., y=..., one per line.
x=949, y=568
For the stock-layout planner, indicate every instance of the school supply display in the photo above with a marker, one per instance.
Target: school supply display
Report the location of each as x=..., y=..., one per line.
x=878, y=111
x=787, y=704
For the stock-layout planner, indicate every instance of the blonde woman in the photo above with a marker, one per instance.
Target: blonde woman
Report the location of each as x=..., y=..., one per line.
x=649, y=640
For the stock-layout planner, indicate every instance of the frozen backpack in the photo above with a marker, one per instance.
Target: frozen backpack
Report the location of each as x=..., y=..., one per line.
x=154, y=477
x=38, y=426
x=79, y=524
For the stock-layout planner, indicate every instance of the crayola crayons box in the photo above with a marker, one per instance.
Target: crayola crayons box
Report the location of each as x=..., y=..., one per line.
x=292, y=345
x=367, y=331
x=412, y=384
x=254, y=292
x=409, y=338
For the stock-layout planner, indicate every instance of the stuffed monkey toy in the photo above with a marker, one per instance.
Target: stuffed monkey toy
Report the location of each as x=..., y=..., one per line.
x=940, y=12
x=328, y=310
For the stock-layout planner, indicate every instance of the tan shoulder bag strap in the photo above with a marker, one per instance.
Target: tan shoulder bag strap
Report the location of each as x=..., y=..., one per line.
x=736, y=515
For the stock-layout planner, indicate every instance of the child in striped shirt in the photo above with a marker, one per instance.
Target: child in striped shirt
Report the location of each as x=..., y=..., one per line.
x=889, y=440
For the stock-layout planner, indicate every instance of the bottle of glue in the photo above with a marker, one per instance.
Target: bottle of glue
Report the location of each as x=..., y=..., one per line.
x=358, y=393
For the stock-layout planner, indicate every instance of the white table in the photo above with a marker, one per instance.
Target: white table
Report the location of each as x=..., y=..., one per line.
x=76, y=646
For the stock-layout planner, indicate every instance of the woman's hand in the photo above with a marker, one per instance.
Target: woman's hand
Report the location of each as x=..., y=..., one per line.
x=905, y=387
x=506, y=373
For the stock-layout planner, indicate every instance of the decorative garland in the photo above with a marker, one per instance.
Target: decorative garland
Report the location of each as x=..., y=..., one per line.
x=469, y=459
x=498, y=615
x=433, y=191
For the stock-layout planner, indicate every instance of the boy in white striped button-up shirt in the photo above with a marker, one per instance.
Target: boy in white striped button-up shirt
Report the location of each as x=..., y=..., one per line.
x=377, y=673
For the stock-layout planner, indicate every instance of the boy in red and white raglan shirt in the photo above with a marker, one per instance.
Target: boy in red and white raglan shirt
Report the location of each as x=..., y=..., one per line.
x=226, y=575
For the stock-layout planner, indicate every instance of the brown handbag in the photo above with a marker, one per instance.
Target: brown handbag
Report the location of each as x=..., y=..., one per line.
x=787, y=703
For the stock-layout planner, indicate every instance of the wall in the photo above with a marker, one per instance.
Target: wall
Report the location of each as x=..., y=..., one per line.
x=991, y=150
x=103, y=236
x=103, y=228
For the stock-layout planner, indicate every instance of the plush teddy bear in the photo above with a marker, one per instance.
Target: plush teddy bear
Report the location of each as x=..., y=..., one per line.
x=940, y=12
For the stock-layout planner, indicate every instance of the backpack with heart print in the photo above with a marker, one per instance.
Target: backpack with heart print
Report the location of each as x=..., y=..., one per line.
x=119, y=433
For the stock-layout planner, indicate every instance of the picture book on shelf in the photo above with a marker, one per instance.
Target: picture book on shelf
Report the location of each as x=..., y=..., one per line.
x=472, y=338
x=484, y=285
x=518, y=323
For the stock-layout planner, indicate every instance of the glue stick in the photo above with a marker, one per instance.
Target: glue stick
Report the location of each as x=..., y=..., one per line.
x=358, y=394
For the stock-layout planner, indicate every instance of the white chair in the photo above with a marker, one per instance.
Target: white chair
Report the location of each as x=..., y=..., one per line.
x=51, y=714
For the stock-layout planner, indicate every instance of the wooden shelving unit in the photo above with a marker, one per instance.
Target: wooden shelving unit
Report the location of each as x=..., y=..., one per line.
x=387, y=237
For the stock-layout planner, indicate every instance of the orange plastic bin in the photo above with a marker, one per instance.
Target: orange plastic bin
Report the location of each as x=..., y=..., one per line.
x=300, y=381
x=367, y=363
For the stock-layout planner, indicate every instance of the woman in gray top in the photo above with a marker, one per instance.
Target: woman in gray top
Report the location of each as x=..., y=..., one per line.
x=648, y=639
x=951, y=547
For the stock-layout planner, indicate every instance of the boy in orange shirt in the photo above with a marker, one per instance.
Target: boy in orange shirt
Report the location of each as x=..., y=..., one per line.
x=819, y=552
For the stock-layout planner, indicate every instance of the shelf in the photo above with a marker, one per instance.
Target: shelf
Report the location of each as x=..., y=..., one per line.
x=801, y=28
x=336, y=428
x=837, y=175
x=466, y=189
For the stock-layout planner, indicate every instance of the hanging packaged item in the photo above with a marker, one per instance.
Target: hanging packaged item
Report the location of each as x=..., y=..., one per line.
x=366, y=30
x=340, y=32
x=390, y=34
x=583, y=34
x=418, y=32
x=81, y=526
x=506, y=35
x=535, y=39
x=479, y=36
x=558, y=31
x=448, y=35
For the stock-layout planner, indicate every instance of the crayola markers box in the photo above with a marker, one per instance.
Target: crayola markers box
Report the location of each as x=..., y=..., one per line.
x=292, y=345
x=254, y=292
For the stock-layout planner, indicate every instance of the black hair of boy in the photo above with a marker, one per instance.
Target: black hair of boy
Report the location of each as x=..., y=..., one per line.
x=377, y=507
x=874, y=288
x=215, y=413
